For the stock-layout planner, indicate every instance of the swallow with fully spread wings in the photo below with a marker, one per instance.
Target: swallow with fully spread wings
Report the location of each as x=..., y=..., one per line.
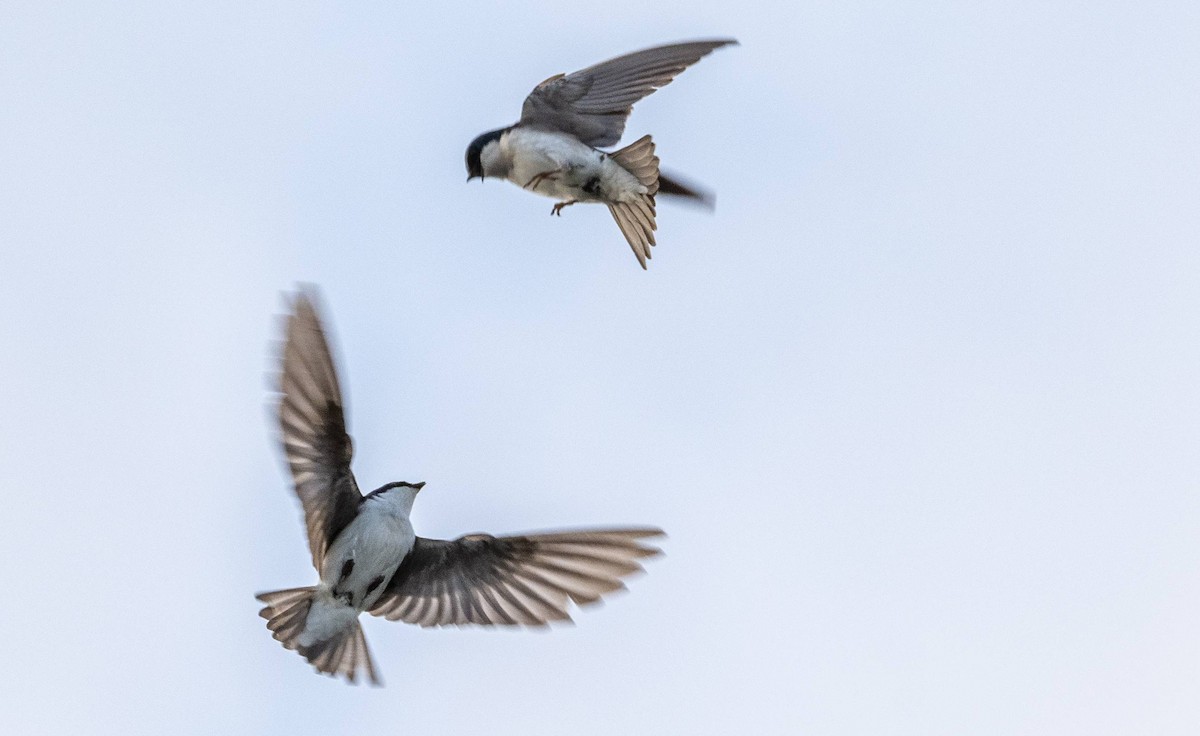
x=369, y=559
x=554, y=148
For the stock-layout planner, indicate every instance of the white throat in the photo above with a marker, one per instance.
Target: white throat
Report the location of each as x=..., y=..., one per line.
x=394, y=501
x=495, y=163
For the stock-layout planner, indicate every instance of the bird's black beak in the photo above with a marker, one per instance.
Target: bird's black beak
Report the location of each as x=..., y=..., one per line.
x=419, y=486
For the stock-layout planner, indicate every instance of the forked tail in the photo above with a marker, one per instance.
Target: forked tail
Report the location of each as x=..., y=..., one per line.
x=332, y=642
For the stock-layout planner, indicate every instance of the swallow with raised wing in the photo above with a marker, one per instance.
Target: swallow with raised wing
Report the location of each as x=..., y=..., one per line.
x=554, y=149
x=369, y=559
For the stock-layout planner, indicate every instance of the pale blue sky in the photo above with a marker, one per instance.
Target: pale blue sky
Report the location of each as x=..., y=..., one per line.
x=918, y=404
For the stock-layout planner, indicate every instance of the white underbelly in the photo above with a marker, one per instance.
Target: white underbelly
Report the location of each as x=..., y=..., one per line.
x=560, y=166
x=326, y=618
x=377, y=542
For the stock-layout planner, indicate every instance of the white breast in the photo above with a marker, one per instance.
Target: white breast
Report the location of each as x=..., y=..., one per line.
x=580, y=168
x=377, y=540
x=539, y=150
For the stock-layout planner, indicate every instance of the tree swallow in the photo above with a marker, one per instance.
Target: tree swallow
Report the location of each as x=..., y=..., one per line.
x=554, y=148
x=370, y=560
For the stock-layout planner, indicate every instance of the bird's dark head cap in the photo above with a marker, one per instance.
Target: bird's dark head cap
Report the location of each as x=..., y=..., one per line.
x=475, y=152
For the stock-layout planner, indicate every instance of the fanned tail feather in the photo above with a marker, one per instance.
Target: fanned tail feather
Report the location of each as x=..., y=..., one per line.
x=636, y=218
x=638, y=159
x=343, y=653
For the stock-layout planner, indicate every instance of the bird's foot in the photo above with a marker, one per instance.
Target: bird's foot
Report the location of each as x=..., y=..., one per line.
x=545, y=175
x=559, y=207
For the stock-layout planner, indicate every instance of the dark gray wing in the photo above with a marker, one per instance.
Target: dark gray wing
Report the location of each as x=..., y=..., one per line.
x=593, y=104
x=314, y=430
x=526, y=579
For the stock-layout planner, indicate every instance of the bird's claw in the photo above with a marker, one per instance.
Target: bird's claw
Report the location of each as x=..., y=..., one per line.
x=559, y=207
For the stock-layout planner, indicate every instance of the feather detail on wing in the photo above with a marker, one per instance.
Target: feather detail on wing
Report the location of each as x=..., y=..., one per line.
x=521, y=580
x=593, y=103
x=313, y=429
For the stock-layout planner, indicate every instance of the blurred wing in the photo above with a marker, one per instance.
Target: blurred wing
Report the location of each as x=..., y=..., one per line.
x=511, y=581
x=314, y=430
x=593, y=104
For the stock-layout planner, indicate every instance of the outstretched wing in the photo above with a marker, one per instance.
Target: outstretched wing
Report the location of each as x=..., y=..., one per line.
x=593, y=104
x=526, y=579
x=314, y=430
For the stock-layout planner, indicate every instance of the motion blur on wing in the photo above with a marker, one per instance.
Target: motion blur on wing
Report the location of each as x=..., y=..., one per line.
x=369, y=559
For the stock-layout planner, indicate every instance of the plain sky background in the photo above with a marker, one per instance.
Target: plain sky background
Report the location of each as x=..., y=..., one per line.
x=918, y=404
